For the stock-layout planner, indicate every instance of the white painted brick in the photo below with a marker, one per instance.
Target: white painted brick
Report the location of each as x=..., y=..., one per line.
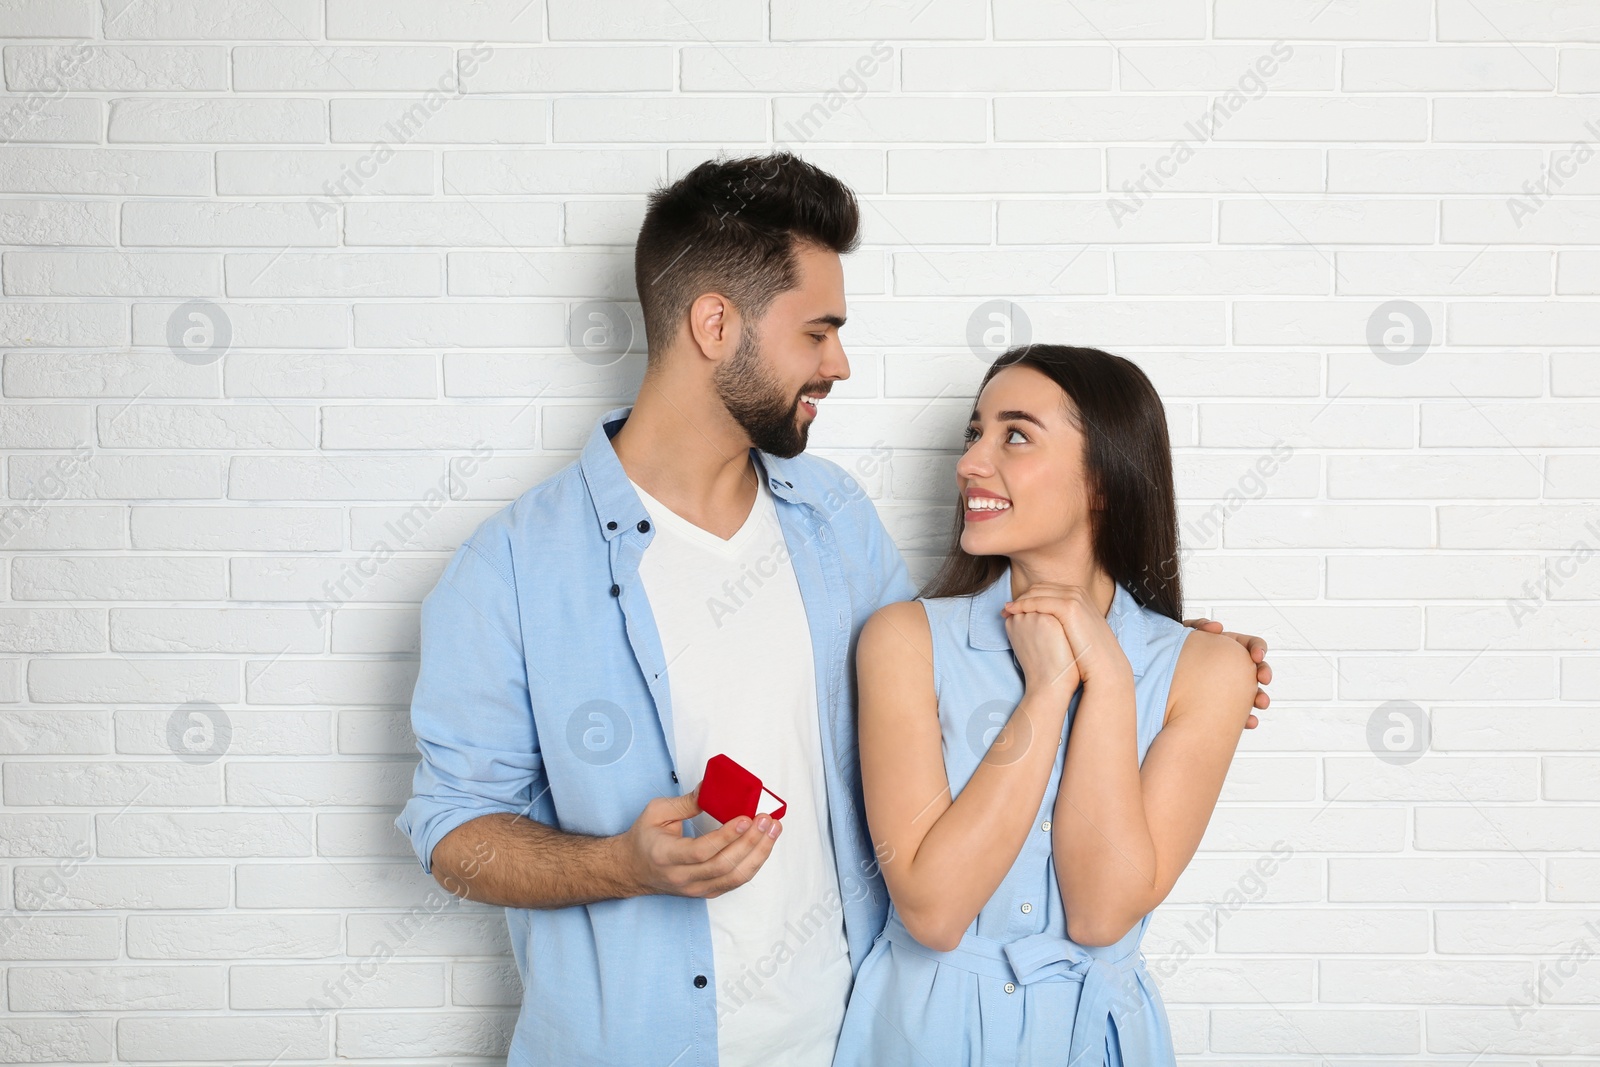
x=1008, y=69
x=66, y=681
x=233, y=936
x=126, y=886
x=188, y=274
x=578, y=171
x=181, y=1038
x=654, y=119
x=332, y=885
x=290, y=374
x=330, y=985
x=1397, y=20
x=57, y=222
x=991, y=171
x=1392, y=981
x=213, y=630
x=372, y=835
x=477, y=1033
x=1176, y=68
x=116, y=477
x=179, y=19
x=332, y=478
x=1096, y=20
x=1076, y=222
x=43, y=120
x=1485, y=69
x=328, y=177
x=424, y=120
x=460, y=324
x=1506, y=20
x=1317, y=1031
x=67, y=18
x=341, y=69
x=1013, y=272
x=116, y=68
x=423, y=223
x=892, y=119
x=421, y=20
x=851, y=70
x=42, y=1040
x=329, y=274
x=62, y=171
x=1183, y=273
x=1431, y=170
x=53, y=733
x=636, y=20
x=531, y=273
x=554, y=69
x=261, y=225
x=228, y=121
x=116, y=374
x=115, y=988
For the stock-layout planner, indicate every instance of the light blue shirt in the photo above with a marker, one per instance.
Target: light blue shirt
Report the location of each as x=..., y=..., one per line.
x=543, y=692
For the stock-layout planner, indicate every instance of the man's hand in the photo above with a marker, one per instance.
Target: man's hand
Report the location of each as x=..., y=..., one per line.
x=1258, y=652
x=660, y=859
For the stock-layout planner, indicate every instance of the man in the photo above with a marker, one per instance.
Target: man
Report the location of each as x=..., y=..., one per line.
x=692, y=533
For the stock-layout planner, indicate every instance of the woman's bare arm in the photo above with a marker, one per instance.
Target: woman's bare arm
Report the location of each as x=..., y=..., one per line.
x=1122, y=833
x=946, y=858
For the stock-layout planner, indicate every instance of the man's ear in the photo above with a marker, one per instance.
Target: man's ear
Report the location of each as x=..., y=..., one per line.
x=713, y=326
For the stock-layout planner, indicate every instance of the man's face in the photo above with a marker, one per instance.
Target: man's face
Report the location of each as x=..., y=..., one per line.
x=790, y=358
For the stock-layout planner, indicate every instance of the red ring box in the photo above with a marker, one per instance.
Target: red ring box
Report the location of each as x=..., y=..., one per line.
x=728, y=791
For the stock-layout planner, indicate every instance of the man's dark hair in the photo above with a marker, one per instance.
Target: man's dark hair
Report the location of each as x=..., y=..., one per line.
x=730, y=226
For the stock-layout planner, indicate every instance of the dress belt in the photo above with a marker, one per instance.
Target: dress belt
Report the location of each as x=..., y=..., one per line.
x=1049, y=958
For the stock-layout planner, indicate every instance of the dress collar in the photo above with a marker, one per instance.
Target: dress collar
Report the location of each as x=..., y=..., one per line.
x=986, y=626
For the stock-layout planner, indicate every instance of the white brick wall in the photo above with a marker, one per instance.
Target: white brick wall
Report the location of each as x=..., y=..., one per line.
x=390, y=214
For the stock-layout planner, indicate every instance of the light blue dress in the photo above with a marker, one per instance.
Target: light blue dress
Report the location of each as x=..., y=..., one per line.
x=1016, y=990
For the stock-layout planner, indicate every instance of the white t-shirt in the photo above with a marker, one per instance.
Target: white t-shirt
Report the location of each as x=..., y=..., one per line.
x=742, y=681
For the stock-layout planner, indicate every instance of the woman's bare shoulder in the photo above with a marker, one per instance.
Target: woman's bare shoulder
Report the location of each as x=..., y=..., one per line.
x=897, y=631
x=1213, y=672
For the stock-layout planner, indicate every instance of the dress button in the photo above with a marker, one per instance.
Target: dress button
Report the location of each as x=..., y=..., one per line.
x=699, y=981
x=1045, y=826
x=644, y=526
x=1010, y=988
x=1026, y=908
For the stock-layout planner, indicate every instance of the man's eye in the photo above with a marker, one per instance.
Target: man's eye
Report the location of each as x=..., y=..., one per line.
x=819, y=337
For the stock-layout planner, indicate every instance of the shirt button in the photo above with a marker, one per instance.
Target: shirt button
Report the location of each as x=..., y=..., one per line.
x=644, y=526
x=1045, y=826
x=699, y=981
x=615, y=589
x=611, y=525
x=1010, y=988
x=1026, y=908
x=674, y=776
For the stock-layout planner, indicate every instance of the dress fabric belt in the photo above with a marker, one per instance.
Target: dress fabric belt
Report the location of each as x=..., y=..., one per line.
x=1049, y=958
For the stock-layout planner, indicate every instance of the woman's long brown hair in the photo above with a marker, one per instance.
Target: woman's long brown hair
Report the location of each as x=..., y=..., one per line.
x=1128, y=461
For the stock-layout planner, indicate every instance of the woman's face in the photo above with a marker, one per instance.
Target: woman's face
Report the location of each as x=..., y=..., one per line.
x=1022, y=477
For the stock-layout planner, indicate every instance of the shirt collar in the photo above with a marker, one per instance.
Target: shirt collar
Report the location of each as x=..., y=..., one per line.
x=986, y=626
x=617, y=507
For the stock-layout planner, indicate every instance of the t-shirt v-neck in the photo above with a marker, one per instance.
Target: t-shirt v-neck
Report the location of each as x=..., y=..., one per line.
x=665, y=516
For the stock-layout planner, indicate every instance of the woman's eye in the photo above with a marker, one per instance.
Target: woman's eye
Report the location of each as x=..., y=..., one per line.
x=1019, y=433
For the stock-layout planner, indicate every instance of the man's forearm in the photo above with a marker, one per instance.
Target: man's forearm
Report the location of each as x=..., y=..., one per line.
x=515, y=862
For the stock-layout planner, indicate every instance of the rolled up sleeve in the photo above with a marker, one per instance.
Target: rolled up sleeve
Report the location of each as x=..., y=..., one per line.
x=470, y=708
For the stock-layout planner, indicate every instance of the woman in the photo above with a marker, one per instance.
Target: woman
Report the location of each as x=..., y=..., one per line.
x=1042, y=739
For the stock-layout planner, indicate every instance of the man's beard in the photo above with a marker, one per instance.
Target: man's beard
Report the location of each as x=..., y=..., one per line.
x=757, y=402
